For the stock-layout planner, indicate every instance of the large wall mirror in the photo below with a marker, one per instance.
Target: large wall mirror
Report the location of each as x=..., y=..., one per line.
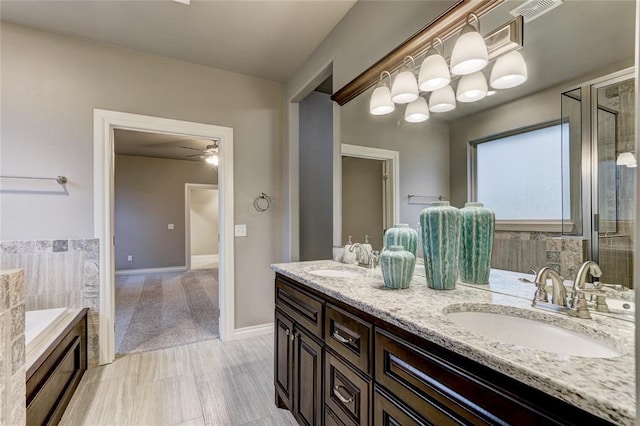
x=562, y=131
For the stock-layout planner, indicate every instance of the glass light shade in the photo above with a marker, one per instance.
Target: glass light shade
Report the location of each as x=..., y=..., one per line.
x=434, y=73
x=626, y=159
x=404, y=88
x=469, y=53
x=212, y=160
x=417, y=111
x=509, y=71
x=442, y=100
x=381, y=103
x=472, y=87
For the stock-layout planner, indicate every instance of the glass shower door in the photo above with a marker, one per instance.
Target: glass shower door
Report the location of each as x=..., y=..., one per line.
x=614, y=180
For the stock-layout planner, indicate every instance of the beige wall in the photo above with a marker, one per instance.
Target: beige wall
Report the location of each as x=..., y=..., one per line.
x=204, y=221
x=50, y=86
x=149, y=195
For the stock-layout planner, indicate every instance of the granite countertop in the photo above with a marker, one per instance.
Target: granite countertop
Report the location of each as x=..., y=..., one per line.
x=602, y=386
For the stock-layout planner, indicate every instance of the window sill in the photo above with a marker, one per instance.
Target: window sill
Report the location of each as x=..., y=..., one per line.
x=533, y=225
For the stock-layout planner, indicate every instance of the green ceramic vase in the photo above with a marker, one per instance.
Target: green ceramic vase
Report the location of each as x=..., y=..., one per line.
x=402, y=235
x=440, y=224
x=476, y=244
x=397, y=267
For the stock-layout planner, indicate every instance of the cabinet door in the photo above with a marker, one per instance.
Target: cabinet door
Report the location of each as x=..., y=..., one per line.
x=307, y=373
x=283, y=359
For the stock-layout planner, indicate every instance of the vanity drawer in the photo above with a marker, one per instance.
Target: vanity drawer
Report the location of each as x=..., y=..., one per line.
x=349, y=336
x=346, y=392
x=387, y=410
x=331, y=418
x=424, y=380
x=304, y=308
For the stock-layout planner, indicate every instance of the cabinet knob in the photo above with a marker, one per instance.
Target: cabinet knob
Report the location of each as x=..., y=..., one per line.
x=340, y=396
x=287, y=332
x=293, y=337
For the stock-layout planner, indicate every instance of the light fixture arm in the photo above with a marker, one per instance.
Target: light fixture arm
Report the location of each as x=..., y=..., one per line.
x=474, y=16
x=405, y=62
x=433, y=46
x=388, y=75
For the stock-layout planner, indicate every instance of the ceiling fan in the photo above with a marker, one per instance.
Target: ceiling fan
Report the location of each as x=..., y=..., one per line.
x=208, y=154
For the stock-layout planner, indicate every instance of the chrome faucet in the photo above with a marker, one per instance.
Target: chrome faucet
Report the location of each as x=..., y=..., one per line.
x=580, y=286
x=362, y=253
x=559, y=293
x=581, y=276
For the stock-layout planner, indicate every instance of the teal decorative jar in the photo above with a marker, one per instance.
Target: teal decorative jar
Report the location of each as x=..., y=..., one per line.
x=476, y=244
x=397, y=267
x=441, y=225
x=402, y=235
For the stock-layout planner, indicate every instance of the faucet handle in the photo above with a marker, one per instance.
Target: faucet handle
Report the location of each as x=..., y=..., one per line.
x=581, y=307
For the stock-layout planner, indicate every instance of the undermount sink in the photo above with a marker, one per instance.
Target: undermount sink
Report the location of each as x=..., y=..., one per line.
x=532, y=333
x=336, y=273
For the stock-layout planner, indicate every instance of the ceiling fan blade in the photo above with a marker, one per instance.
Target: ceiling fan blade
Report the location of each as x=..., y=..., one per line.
x=188, y=147
x=194, y=155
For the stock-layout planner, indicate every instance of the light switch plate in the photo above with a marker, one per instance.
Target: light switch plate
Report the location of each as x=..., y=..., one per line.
x=170, y=226
x=241, y=230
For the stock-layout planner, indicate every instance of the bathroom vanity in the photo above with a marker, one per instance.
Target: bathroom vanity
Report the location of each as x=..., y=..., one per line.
x=348, y=351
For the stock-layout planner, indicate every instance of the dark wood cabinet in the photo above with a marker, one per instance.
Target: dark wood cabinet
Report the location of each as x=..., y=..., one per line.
x=346, y=367
x=307, y=373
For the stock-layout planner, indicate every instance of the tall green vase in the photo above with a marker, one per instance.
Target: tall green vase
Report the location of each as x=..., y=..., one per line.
x=397, y=267
x=402, y=235
x=476, y=245
x=441, y=226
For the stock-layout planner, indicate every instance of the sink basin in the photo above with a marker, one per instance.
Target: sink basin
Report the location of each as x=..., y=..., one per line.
x=533, y=334
x=336, y=273
x=622, y=306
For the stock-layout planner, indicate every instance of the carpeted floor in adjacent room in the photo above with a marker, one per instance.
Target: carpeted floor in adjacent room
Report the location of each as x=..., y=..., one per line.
x=162, y=310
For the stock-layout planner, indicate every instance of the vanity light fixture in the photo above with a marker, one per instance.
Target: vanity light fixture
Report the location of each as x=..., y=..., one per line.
x=470, y=50
x=510, y=70
x=417, y=111
x=434, y=71
x=405, y=86
x=627, y=159
x=472, y=87
x=381, y=103
x=442, y=100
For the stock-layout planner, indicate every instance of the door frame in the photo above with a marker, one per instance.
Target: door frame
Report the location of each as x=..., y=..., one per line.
x=104, y=123
x=187, y=218
x=391, y=188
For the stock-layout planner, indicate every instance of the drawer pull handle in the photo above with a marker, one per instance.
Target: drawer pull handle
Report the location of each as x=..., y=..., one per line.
x=293, y=337
x=338, y=394
x=286, y=332
x=339, y=338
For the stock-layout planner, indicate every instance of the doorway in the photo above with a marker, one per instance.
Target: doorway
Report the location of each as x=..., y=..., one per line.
x=105, y=123
x=201, y=218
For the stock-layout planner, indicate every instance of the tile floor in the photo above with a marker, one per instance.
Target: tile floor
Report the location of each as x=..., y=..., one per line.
x=205, y=383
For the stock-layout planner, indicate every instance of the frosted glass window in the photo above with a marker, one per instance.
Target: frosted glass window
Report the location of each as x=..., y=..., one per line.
x=520, y=176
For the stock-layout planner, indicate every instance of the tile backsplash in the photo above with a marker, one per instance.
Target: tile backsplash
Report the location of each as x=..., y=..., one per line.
x=59, y=273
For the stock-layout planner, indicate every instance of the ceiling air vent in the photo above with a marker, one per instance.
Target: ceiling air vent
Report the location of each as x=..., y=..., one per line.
x=532, y=9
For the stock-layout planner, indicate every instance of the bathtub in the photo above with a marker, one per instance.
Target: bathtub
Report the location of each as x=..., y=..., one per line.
x=38, y=324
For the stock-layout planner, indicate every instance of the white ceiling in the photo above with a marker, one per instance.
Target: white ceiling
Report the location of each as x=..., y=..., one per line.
x=146, y=144
x=265, y=39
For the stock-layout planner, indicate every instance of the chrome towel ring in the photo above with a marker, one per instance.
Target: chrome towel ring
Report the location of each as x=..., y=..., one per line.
x=262, y=203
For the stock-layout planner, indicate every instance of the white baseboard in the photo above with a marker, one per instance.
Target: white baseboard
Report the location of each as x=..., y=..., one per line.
x=252, y=331
x=151, y=270
x=211, y=257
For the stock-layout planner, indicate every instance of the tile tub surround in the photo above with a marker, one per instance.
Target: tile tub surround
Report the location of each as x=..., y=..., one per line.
x=604, y=387
x=12, y=348
x=60, y=274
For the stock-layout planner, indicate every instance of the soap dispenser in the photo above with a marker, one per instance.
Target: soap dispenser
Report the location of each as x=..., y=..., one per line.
x=349, y=255
x=367, y=246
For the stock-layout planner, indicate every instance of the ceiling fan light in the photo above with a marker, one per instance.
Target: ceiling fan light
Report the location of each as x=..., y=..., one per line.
x=212, y=160
x=442, y=100
x=381, y=103
x=417, y=111
x=510, y=70
x=469, y=53
x=472, y=87
x=434, y=73
x=405, y=87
